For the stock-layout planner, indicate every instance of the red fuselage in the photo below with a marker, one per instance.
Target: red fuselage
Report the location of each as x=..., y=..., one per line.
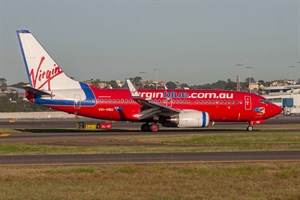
x=227, y=106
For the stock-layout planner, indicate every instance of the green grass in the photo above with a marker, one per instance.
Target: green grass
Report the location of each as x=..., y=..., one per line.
x=71, y=170
x=161, y=143
x=273, y=180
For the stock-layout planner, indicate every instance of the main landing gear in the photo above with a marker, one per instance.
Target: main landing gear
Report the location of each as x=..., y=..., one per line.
x=150, y=127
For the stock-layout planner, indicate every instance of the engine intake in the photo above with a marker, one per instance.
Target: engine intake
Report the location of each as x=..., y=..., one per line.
x=188, y=119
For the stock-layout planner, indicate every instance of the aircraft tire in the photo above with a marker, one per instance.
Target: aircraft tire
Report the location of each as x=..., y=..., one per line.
x=250, y=128
x=145, y=127
x=154, y=128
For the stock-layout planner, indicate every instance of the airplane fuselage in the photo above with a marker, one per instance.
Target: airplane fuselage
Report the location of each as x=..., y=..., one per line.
x=117, y=104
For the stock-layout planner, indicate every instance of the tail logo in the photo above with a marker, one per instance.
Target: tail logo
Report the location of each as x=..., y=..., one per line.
x=41, y=77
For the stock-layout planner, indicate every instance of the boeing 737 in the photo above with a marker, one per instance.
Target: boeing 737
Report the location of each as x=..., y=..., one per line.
x=51, y=87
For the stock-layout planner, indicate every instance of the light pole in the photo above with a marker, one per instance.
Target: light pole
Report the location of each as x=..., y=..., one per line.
x=298, y=71
x=142, y=77
x=291, y=71
x=156, y=70
x=249, y=68
x=238, y=86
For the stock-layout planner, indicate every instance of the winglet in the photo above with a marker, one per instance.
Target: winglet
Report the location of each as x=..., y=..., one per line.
x=134, y=93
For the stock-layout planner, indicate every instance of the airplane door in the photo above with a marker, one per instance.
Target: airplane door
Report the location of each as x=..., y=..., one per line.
x=248, y=103
x=77, y=101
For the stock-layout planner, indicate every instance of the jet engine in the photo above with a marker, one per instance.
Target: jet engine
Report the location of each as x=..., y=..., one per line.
x=188, y=119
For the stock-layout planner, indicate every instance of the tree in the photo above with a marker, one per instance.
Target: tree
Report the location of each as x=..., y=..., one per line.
x=230, y=86
x=252, y=80
x=137, y=80
x=113, y=84
x=261, y=82
x=171, y=85
x=205, y=86
x=2, y=81
x=184, y=85
x=219, y=85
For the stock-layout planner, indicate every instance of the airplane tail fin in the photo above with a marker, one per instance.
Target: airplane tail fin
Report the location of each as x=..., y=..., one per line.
x=43, y=72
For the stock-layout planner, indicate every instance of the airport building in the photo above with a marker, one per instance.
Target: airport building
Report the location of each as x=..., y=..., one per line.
x=287, y=96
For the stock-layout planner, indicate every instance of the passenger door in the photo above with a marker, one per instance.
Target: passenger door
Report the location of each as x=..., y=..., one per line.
x=248, y=103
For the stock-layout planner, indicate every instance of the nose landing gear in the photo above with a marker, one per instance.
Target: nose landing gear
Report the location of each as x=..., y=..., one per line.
x=249, y=128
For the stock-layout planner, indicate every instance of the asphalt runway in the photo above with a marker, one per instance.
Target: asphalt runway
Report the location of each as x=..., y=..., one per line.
x=82, y=159
x=71, y=123
x=63, y=132
x=54, y=131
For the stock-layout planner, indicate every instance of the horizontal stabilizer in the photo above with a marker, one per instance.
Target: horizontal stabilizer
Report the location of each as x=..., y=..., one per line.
x=36, y=91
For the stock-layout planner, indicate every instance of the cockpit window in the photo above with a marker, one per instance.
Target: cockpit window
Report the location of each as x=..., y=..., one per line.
x=263, y=101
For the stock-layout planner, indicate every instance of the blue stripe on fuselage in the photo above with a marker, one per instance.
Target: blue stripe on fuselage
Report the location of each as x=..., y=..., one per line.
x=89, y=101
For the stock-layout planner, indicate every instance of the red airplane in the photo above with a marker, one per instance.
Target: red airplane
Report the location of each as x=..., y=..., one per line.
x=51, y=87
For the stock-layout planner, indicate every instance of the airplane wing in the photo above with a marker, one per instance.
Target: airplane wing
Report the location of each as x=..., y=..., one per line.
x=150, y=109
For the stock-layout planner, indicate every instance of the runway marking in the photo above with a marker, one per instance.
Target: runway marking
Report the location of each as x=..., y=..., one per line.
x=4, y=135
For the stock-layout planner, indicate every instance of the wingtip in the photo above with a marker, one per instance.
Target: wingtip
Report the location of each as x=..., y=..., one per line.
x=134, y=93
x=23, y=31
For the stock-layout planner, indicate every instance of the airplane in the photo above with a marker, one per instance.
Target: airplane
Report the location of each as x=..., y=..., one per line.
x=51, y=87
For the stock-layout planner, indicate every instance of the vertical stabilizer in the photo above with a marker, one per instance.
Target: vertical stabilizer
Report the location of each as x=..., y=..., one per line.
x=42, y=71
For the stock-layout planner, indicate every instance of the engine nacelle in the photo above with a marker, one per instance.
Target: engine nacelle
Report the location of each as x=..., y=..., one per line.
x=188, y=119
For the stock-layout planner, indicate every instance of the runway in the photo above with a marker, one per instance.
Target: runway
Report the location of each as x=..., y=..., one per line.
x=63, y=133
x=75, y=159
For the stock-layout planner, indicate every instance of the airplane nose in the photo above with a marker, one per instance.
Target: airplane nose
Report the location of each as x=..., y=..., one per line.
x=276, y=110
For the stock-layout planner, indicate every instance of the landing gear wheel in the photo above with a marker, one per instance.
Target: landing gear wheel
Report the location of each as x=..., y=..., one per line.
x=154, y=128
x=145, y=127
x=250, y=128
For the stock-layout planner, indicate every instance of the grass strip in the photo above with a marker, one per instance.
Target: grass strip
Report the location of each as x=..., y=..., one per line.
x=271, y=180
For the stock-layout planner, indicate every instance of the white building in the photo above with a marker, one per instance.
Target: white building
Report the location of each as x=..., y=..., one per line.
x=286, y=96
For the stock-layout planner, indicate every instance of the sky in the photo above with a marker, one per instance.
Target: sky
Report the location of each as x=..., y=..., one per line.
x=194, y=42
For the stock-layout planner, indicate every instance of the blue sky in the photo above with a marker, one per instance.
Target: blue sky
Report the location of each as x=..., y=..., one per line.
x=195, y=42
